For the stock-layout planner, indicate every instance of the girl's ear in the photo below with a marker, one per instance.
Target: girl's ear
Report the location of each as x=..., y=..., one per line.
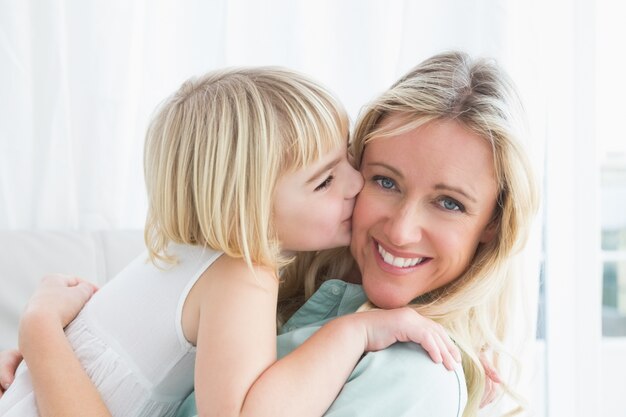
x=490, y=232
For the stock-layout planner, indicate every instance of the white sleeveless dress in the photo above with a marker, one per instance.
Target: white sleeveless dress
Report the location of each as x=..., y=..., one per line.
x=129, y=339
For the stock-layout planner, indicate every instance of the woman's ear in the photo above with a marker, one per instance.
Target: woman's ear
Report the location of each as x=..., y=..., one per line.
x=490, y=232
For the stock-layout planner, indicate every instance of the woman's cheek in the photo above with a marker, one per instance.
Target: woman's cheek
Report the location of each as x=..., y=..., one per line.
x=366, y=207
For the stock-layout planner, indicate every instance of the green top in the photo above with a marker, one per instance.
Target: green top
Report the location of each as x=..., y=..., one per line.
x=401, y=380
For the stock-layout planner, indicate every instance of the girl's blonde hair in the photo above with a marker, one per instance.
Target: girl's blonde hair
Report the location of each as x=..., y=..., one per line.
x=214, y=152
x=475, y=307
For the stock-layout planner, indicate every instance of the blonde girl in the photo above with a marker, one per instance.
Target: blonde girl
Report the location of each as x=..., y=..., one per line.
x=244, y=168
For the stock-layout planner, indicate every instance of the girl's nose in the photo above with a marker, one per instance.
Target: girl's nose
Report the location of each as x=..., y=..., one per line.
x=355, y=184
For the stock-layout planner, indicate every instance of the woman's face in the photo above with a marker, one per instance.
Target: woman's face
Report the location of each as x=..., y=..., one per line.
x=427, y=202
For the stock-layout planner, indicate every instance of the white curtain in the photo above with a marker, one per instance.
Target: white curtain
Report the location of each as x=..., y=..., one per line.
x=79, y=80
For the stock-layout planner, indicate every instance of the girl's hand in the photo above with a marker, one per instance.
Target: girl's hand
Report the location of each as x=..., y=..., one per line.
x=492, y=382
x=63, y=387
x=385, y=327
x=60, y=297
x=9, y=360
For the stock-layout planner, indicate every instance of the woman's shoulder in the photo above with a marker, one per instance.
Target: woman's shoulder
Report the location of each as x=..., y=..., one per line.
x=405, y=382
x=334, y=298
x=413, y=362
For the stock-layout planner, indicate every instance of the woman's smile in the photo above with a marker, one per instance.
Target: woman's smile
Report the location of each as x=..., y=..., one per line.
x=398, y=263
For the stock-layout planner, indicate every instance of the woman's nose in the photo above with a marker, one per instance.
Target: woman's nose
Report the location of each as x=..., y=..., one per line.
x=404, y=226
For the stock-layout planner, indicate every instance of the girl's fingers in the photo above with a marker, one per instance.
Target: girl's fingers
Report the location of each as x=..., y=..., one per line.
x=441, y=349
x=86, y=289
x=491, y=382
x=448, y=359
x=9, y=360
x=430, y=345
x=490, y=371
x=449, y=344
x=490, y=393
x=437, y=349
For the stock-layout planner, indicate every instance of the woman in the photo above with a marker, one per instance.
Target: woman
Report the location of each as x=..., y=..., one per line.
x=447, y=201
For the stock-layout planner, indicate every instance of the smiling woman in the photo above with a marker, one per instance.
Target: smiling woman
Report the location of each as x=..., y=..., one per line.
x=428, y=201
x=447, y=202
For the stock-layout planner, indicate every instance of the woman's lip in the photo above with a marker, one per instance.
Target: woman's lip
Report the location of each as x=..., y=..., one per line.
x=396, y=253
x=392, y=268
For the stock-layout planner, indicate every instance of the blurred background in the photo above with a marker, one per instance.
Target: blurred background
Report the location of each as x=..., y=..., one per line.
x=79, y=80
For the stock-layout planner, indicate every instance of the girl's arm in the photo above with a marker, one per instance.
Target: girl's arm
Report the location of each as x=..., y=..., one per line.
x=9, y=361
x=62, y=388
x=308, y=380
x=236, y=369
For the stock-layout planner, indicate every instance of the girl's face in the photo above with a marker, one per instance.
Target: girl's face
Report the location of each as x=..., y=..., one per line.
x=427, y=202
x=313, y=205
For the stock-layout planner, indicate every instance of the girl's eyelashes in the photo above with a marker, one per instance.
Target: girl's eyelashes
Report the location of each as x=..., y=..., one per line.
x=450, y=204
x=326, y=183
x=383, y=182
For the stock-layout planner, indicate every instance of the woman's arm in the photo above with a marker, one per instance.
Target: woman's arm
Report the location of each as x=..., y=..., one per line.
x=62, y=388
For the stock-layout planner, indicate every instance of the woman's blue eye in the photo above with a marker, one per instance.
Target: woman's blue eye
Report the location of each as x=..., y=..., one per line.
x=386, y=183
x=451, y=204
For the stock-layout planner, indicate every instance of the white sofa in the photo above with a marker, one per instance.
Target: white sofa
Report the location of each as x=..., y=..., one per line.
x=26, y=256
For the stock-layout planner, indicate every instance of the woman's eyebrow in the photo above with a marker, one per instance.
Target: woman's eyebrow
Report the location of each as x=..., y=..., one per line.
x=323, y=169
x=447, y=187
x=386, y=166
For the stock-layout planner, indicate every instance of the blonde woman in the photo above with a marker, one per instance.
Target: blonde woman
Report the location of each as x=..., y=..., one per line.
x=447, y=201
x=244, y=168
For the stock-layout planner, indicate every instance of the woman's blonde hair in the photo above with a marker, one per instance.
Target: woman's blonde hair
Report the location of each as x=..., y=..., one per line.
x=474, y=308
x=214, y=152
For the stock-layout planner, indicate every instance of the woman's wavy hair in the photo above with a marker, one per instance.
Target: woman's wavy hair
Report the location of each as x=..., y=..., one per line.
x=215, y=149
x=474, y=308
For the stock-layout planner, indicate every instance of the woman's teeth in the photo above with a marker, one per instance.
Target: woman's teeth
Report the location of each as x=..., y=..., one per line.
x=396, y=260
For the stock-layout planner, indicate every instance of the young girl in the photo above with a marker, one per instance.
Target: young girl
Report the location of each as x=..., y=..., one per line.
x=244, y=168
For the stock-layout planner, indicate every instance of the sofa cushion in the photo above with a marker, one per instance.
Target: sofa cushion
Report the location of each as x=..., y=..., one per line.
x=26, y=256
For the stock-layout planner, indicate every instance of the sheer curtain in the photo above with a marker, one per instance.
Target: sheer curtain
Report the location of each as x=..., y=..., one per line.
x=79, y=80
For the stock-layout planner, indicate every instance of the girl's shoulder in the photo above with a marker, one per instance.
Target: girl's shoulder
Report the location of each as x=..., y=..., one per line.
x=223, y=288
x=239, y=271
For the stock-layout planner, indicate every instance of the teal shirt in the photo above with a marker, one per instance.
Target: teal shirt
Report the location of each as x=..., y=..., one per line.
x=398, y=381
